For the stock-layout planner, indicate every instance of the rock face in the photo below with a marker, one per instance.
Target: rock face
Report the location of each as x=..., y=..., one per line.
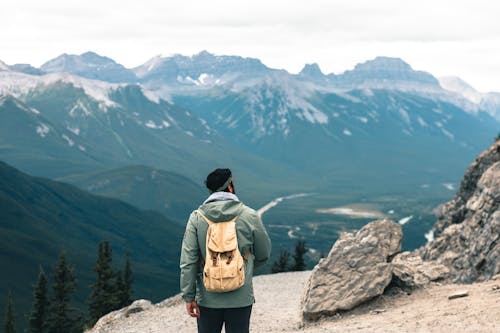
x=137, y=306
x=468, y=230
x=357, y=269
x=410, y=271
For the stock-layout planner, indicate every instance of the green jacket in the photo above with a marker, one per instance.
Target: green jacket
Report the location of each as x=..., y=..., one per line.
x=251, y=236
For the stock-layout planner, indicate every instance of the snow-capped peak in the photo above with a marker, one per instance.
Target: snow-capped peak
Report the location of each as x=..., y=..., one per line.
x=3, y=66
x=169, y=69
x=148, y=66
x=280, y=92
x=457, y=85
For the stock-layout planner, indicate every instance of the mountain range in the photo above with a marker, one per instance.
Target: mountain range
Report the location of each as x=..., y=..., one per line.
x=149, y=135
x=86, y=113
x=381, y=127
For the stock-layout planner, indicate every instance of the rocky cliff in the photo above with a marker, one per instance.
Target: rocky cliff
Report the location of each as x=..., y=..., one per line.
x=466, y=235
x=367, y=263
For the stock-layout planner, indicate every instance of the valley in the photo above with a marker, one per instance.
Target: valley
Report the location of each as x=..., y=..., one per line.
x=305, y=218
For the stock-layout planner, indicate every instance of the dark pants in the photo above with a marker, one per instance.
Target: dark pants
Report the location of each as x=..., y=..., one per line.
x=236, y=320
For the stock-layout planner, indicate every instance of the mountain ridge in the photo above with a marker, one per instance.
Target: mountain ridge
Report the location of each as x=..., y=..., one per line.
x=202, y=70
x=40, y=217
x=90, y=65
x=272, y=116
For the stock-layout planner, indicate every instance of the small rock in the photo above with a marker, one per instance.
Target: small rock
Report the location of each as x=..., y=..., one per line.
x=459, y=294
x=377, y=311
x=135, y=307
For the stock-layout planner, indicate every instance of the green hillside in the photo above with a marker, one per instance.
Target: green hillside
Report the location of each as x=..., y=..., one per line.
x=148, y=188
x=39, y=217
x=59, y=131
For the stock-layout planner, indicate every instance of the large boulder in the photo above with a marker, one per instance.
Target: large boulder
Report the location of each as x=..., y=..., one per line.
x=467, y=234
x=357, y=269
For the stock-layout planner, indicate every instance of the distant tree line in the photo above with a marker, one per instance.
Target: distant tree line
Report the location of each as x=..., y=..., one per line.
x=53, y=313
x=283, y=264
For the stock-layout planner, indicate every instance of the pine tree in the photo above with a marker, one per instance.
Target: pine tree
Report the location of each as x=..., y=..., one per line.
x=40, y=310
x=103, y=296
x=61, y=317
x=128, y=280
x=120, y=297
x=9, y=315
x=282, y=265
x=300, y=250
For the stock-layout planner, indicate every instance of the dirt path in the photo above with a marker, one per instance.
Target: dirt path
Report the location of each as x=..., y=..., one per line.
x=277, y=310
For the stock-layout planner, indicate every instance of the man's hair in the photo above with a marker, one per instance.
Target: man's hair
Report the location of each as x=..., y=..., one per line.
x=217, y=178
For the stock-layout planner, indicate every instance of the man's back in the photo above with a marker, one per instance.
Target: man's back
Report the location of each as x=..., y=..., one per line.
x=251, y=237
x=221, y=206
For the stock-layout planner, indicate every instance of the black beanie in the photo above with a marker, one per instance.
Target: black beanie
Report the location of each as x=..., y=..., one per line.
x=217, y=179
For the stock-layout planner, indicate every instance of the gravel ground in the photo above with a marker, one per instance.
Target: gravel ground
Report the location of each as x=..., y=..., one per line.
x=277, y=310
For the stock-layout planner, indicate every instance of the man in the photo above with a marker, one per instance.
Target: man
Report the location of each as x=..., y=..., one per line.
x=233, y=308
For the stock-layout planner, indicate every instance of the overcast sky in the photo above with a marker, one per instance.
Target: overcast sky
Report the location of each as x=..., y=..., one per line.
x=443, y=37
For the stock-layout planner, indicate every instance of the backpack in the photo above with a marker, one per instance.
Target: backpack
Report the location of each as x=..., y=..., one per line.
x=224, y=268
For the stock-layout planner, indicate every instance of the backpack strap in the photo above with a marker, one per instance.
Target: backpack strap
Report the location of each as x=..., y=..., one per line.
x=211, y=222
x=204, y=217
x=246, y=255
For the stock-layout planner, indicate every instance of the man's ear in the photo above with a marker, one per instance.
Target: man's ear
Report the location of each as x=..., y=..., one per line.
x=230, y=187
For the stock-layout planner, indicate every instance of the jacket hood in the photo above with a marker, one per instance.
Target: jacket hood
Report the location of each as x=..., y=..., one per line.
x=221, y=211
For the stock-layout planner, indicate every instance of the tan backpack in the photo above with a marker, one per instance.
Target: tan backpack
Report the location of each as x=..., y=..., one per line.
x=224, y=268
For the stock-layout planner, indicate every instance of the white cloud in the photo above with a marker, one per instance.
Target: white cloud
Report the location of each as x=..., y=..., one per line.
x=443, y=37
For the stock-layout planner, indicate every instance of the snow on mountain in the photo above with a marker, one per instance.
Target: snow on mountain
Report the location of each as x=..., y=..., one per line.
x=3, y=66
x=152, y=96
x=489, y=102
x=178, y=75
x=166, y=77
x=20, y=84
x=267, y=103
x=280, y=92
x=42, y=130
x=170, y=69
x=148, y=66
x=457, y=85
